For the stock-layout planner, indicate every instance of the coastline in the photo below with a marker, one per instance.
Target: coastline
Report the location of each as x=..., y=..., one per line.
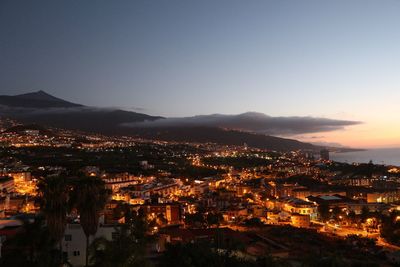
x=383, y=156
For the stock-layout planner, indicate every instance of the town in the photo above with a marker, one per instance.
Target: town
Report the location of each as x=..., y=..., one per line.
x=257, y=206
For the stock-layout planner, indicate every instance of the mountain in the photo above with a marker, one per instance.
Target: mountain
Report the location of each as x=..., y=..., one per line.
x=23, y=128
x=106, y=121
x=39, y=99
x=44, y=109
x=222, y=136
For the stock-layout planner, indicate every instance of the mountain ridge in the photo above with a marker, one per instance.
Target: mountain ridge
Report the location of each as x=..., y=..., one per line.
x=44, y=109
x=38, y=99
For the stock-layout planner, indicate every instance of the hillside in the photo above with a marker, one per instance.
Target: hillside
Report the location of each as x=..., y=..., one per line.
x=39, y=99
x=47, y=110
x=225, y=137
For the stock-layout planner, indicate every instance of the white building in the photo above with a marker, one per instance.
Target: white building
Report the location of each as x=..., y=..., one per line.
x=74, y=241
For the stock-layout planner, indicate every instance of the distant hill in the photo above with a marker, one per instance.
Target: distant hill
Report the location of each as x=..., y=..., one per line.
x=103, y=121
x=224, y=137
x=39, y=99
x=24, y=128
x=44, y=109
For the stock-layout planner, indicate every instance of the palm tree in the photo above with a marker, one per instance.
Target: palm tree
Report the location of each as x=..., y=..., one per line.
x=89, y=196
x=53, y=198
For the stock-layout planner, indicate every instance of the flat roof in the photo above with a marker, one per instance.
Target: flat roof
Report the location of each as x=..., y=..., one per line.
x=330, y=198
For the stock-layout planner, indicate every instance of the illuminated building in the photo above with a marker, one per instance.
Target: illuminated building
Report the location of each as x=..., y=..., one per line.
x=171, y=212
x=300, y=220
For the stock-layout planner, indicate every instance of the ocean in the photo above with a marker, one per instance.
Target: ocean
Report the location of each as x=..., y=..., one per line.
x=387, y=156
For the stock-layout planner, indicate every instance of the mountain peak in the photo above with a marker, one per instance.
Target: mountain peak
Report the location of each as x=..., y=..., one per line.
x=38, y=99
x=39, y=95
x=253, y=114
x=43, y=93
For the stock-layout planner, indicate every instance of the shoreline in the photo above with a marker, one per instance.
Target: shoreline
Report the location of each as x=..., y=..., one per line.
x=379, y=156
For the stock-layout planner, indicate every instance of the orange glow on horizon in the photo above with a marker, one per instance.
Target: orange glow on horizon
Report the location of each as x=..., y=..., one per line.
x=380, y=134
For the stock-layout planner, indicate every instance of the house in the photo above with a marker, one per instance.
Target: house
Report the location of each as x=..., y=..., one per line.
x=171, y=212
x=74, y=241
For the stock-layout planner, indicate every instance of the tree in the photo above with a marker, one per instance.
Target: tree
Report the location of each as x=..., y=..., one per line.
x=123, y=210
x=335, y=212
x=254, y=222
x=40, y=246
x=351, y=216
x=201, y=254
x=390, y=227
x=161, y=220
x=364, y=213
x=195, y=220
x=126, y=249
x=214, y=218
x=89, y=197
x=323, y=211
x=53, y=198
x=328, y=261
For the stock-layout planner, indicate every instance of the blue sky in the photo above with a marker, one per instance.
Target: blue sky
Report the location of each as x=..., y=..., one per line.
x=337, y=59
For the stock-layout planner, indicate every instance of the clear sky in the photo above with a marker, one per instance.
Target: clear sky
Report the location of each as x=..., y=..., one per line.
x=335, y=59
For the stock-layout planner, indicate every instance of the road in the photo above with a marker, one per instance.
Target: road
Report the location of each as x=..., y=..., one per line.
x=345, y=231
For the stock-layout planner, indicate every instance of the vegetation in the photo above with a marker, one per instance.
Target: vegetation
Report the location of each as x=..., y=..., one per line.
x=390, y=227
x=127, y=249
x=201, y=219
x=195, y=172
x=201, y=254
x=56, y=194
x=89, y=197
x=41, y=249
x=253, y=222
x=323, y=212
x=53, y=197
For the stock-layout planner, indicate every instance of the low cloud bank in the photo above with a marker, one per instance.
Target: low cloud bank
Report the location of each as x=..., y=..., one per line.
x=254, y=122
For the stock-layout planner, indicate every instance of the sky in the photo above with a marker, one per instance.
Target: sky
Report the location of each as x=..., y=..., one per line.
x=330, y=59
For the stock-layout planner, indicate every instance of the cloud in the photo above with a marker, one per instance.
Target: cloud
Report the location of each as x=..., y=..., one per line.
x=255, y=122
x=312, y=137
x=128, y=108
x=137, y=109
x=250, y=121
